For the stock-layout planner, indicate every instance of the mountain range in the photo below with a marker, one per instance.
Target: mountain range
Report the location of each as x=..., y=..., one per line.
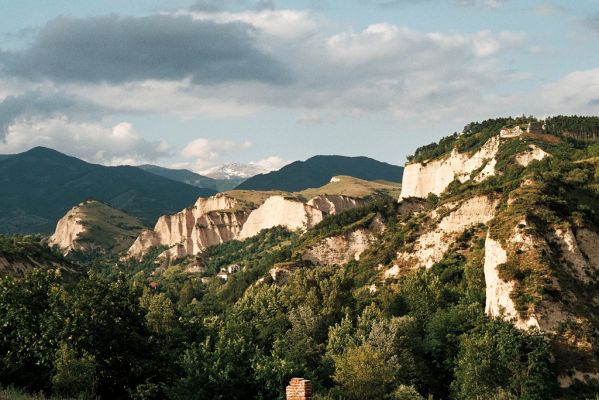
x=318, y=170
x=39, y=186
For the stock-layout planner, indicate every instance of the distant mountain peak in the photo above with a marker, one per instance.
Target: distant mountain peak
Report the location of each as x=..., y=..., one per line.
x=234, y=170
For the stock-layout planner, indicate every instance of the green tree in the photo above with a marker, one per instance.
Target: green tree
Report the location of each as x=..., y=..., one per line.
x=498, y=360
x=363, y=373
x=103, y=319
x=160, y=312
x=74, y=376
x=29, y=328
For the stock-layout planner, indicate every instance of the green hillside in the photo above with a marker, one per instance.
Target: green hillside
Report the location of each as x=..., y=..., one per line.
x=39, y=186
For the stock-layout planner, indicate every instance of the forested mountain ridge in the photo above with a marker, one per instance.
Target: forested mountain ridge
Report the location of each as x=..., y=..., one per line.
x=318, y=170
x=480, y=283
x=40, y=185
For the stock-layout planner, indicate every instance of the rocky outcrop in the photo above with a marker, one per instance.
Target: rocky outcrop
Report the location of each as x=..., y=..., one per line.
x=208, y=222
x=434, y=176
x=531, y=154
x=453, y=219
x=341, y=249
x=332, y=204
x=498, y=292
x=281, y=211
x=221, y=218
x=578, y=261
x=68, y=230
x=95, y=226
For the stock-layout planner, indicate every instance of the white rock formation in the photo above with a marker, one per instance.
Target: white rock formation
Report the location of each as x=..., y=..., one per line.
x=341, y=249
x=511, y=132
x=209, y=221
x=221, y=218
x=431, y=246
x=420, y=179
x=578, y=256
x=68, y=230
x=332, y=204
x=280, y=211
x=95, y=226
x=532, y=153
x=579, y=251
x=498, y=292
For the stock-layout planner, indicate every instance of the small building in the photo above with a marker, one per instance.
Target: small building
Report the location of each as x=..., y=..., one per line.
x=234, y=268
x=224, y=275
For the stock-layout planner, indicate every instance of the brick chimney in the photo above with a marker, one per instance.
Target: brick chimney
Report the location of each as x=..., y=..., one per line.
x=299, y=389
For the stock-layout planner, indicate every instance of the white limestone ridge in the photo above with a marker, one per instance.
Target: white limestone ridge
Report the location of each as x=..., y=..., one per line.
x=281, y=211
x=208, y=222
x=420, y=179
x=223, y=217
x=579, y=258
x=434, y=176
x=95, y=226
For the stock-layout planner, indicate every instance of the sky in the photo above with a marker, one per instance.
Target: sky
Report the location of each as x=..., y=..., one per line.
x=198, y=83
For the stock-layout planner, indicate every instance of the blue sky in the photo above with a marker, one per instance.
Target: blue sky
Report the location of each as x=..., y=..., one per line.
x=198, y=83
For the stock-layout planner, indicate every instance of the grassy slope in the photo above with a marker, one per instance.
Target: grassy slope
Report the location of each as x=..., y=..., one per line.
x=347, y=186
x=354, y=187
x=107, y=227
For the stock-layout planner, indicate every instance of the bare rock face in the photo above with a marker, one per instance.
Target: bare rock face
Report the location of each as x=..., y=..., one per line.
x=453, y=219
x=498, y=292
x=208, y=222
x=222, y=218
x=67, y=232
x=420, y=179
x=332, y=204
x=341, y=249
x=532, y=153
x=281, y=211
x=578, y=263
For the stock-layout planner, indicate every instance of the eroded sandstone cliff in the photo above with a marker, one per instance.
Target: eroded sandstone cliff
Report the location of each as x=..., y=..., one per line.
x=236, y=215
x=341, y=249
x=208, y=222
x=447, y=222
x=420, y=179
x=95, y=226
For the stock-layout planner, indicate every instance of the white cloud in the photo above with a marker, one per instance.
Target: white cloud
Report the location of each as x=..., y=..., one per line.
x=381, y=68
x=576, y=93
x=120, y=144
x=206, y=151
x=181, y=99
x=481, y=3
x=271, y=163
x=284, y=24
